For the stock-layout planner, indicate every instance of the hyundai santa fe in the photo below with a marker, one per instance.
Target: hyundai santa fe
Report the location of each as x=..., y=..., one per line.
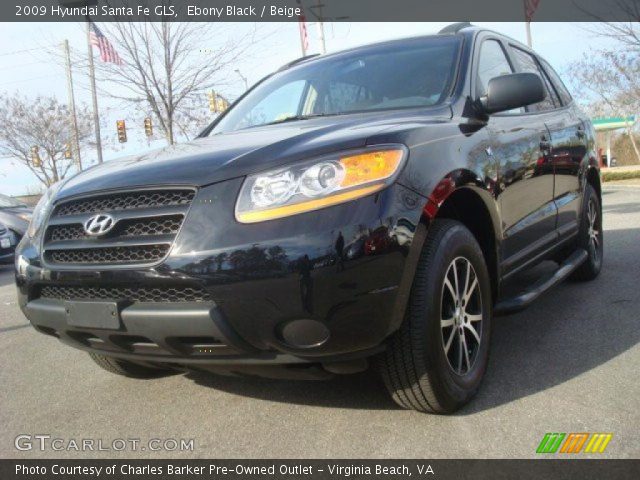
x=365, y=208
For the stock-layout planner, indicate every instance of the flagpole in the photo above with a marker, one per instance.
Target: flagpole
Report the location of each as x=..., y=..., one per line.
x=92, y=78
x=304, y=50
x=320, y=24
x=302, y=28
x=72, y=104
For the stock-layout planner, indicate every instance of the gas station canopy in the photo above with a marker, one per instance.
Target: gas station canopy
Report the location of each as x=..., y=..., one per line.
x=608, y=125
x=613, y=123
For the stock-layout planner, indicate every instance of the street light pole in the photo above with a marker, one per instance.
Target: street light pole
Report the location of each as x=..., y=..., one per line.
x=92, y=78
x=72, y=104
x=244, y=79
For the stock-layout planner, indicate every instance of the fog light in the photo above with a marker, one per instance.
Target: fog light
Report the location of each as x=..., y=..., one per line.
x=304, y=333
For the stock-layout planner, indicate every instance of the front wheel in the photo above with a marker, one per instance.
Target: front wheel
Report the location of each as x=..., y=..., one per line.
x=436, y=361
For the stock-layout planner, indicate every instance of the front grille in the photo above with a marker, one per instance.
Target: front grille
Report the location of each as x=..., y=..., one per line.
x=126, y=201
x=146, y=223
x=134, y=294
x=163, y=225
x=119, y=255
x=67, y=232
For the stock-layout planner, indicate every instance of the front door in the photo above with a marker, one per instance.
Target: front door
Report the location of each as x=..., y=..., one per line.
x=525, y=183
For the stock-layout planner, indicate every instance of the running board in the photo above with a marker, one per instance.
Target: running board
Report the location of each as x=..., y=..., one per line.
x=522, y=301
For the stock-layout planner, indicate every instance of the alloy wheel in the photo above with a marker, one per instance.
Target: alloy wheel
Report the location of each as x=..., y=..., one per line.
x=461, y=315
x=594, y=229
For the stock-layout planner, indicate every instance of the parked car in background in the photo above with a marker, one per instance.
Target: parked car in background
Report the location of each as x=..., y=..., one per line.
x=8, y=244
x=15, y=216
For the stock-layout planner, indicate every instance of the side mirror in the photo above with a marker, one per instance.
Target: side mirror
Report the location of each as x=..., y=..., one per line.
x=514, y=90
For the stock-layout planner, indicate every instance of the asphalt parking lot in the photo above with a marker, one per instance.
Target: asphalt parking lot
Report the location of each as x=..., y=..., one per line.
x=570, y=363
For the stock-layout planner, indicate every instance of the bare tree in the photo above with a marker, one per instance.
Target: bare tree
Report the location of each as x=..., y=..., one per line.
x=626, y=33
x=608, y=81
x=165, y=72
x=41, y=122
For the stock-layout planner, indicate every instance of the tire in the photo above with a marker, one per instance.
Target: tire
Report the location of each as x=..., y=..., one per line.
x=590, y=236
x=417, y=370
x=127, y=369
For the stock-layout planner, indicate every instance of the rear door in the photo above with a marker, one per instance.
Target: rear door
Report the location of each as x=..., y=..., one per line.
x=568, y=150
x=525, y=191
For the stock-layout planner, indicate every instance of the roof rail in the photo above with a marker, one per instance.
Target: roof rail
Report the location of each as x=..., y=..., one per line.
x=296, y=61
x=455, y=27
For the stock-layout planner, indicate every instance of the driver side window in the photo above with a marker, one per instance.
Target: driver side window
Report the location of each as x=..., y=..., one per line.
x=493, y=63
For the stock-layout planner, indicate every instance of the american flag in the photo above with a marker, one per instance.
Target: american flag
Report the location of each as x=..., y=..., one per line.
x=107, y=52
x=530, y=7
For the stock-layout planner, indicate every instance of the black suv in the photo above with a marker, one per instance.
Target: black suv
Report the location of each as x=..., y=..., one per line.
x=366, y=206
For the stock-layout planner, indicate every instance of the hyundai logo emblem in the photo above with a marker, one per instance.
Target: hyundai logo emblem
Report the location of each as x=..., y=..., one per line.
x=99, y=224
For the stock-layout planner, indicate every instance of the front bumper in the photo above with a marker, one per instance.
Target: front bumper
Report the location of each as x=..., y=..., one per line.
x=318, y=287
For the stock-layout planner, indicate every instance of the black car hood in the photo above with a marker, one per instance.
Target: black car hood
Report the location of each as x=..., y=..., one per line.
x=208, y=160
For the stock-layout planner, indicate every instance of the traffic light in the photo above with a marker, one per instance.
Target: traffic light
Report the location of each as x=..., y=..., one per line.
x=35, y=157
x=67, y=151
x=122, y=131
x=221, y=104
x=148, y=127
x=211, y=95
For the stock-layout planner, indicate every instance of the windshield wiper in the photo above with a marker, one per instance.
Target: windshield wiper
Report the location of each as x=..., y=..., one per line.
x=295, y=118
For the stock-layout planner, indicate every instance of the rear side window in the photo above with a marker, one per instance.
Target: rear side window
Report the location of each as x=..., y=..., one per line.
x=492, y=63
x=564, y=94
x=528, y=63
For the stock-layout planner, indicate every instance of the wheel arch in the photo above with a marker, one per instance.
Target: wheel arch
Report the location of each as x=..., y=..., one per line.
x=464, y=197
x=592, y=177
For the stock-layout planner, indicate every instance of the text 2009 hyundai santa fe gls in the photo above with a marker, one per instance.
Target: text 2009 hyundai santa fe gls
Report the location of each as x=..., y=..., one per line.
x=368, y=206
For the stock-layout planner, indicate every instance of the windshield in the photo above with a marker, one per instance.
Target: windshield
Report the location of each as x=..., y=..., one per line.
x=8, y=202
x=414, y=73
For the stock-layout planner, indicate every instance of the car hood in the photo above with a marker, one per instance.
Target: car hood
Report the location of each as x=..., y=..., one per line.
x=208, y=160
x=11, y=219
x=17, y=211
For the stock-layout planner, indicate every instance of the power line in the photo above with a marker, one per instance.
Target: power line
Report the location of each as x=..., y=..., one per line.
x=20, y=51
x=21, y=65
x=29, y=79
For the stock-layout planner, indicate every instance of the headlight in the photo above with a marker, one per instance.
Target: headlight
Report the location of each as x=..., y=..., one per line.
x=41, y=211
x=320, y=183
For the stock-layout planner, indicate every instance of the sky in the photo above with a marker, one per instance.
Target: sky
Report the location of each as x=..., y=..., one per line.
x=29, y=66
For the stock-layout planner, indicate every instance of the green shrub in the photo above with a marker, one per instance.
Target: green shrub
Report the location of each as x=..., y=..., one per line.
x=611, y=176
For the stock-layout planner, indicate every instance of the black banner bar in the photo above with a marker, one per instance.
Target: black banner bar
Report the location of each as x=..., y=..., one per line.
x=328, y=11
x=320, y=469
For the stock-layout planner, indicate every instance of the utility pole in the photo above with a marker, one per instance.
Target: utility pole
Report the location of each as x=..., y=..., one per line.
x=320, y=24
x=92, y=78
x=528, y=34
x=72, y=104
